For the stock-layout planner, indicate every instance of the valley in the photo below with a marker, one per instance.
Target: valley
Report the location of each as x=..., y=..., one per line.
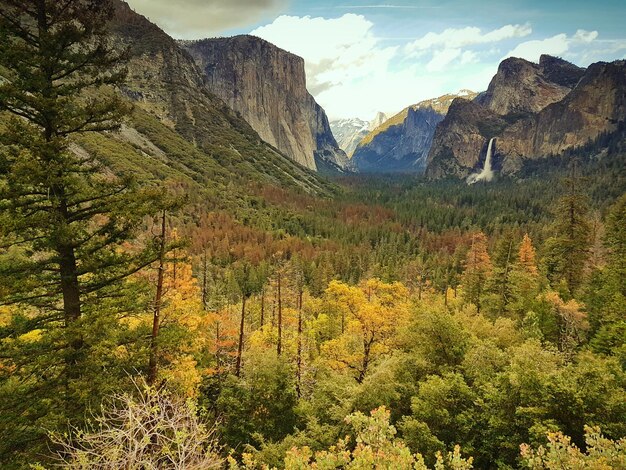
x=200, y=269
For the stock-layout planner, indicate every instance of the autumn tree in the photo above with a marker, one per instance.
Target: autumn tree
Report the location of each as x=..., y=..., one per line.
x=478, y=267
x=526, y=256
x=371, y=313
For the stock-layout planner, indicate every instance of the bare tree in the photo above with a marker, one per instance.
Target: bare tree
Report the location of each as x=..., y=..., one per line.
x=152, y=430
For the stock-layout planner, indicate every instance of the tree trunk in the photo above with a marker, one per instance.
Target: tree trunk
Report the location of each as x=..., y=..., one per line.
x=367, y=347
x=505, y=281
x=262, y=306
x=240, y=345
x=279, y=346
x=204, y=281
x=299, y=354
x=156, y=319
x=70, y=289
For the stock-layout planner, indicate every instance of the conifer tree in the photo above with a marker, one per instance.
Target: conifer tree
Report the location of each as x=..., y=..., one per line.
x=66, y=224
x=64, y=218
x=568, y=250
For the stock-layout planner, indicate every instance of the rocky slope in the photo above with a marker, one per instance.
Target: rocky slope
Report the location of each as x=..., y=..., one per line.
x=402, y=142
x=534, y=111
x=596, y=106
x=267, y=86
x=350, y=132
x=179, y=129
x=461, y=137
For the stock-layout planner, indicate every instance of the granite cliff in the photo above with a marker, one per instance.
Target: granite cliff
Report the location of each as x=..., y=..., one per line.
x=267, y=86
x=179, y=128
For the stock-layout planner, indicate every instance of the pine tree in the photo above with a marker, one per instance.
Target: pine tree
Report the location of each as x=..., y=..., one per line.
x=568, y=250
x=65, y=222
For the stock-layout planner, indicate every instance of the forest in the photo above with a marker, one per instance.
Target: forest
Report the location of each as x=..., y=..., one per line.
x=384, y=322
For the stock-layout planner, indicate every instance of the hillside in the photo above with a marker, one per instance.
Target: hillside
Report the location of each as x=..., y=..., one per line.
x=182, y=118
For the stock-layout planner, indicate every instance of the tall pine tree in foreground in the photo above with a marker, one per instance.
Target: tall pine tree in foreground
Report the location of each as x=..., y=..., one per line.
x=65, y=223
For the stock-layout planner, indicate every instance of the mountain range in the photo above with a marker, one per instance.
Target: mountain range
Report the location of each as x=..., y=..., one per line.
x=534, y=111
x=350, y=132
x=221, y=110
x=402, y=143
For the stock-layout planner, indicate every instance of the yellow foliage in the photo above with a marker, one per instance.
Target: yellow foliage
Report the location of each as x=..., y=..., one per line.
x=32, y=336
x=371, y=312
x=182, y=374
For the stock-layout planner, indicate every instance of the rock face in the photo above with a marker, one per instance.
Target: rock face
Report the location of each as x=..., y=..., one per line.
x=402, y=143
x=534, y=110
x=167, y=87
x=267, y=86
x=350, y=132
x=461, y=138
x=522, y=87
x=597, y=105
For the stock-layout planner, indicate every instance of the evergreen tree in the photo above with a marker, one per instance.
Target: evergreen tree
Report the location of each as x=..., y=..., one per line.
x=568, y=250
x=65, y=222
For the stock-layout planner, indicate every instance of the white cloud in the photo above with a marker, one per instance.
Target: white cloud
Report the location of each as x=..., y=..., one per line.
x=558, y=45
x=442, y=59
x=532, y=50
x=195, y=19
x=585, y=36
x=337, y=51
x=452, y=38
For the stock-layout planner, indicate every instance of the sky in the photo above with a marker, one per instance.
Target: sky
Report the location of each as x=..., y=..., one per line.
x=365, y=56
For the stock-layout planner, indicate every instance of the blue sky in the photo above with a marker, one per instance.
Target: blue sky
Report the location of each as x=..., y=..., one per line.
x=364, y=56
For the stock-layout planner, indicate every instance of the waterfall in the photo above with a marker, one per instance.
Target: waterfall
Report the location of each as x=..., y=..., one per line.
x=486, y=173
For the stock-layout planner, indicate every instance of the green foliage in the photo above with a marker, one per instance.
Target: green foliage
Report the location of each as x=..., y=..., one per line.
x=260, y=405
x=602, y=453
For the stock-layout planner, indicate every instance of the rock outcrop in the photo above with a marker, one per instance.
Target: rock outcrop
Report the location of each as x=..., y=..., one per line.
x=524, y=87
x=596, y=106
x=402, y=143
x=461, y=138
x=535, y=111
x=267, y=86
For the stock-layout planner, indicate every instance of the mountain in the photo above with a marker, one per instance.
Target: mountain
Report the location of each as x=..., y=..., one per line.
x=350, y=132
x=267, y=86
x=521, y=86
x=179, y=130
x=402, y=142
x=533, y=111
